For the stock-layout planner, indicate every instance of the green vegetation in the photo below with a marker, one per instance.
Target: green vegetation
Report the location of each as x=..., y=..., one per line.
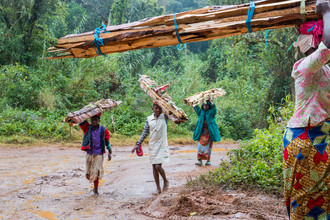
x=36, y=93
x=258, y=162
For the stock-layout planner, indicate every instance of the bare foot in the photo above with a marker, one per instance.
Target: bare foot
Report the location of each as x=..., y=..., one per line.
x=166, y=184
x=159, y=191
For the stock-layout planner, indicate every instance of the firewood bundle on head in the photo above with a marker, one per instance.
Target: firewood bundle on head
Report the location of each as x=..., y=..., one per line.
x=90, y=110
x=202, y=97
x=161, y=98
x=196, y=25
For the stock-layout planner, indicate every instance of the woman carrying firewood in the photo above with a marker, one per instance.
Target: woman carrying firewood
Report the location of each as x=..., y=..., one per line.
x=156, y=125
x=306, y=140
x=206, y=131
x=95, y=140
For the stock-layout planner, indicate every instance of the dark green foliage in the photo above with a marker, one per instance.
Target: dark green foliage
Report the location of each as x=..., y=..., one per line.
x=176, y=6
x=26, y=26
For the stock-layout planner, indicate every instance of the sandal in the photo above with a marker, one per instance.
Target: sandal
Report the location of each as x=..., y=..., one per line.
x=199, y=163
x=208, y=163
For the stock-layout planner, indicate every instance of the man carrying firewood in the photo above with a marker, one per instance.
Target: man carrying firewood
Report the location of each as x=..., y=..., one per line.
x=96, y=138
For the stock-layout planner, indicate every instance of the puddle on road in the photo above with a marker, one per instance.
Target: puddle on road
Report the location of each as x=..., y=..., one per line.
x=28, y=181
x=44, y=214
x=134, y=155
x=195, y=151
x=187, y=151
x=219, y=149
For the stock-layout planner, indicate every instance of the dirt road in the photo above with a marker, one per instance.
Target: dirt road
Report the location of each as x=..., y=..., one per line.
x=49, y=183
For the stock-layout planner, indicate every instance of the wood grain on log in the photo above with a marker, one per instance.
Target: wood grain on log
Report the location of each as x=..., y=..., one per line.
x=197, y=25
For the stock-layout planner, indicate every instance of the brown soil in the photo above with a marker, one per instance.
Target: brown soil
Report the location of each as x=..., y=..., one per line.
x=219, y=204
x=48, y=183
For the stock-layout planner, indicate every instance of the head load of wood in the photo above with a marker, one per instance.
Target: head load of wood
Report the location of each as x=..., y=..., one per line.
x=201, y=97
x=163, y=99
x=92, y=109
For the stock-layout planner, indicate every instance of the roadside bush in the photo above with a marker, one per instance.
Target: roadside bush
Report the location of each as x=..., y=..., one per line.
x=258, y=161
x=40, y=124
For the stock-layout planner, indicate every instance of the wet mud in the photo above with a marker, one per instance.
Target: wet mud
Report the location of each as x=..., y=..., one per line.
x=49, y=183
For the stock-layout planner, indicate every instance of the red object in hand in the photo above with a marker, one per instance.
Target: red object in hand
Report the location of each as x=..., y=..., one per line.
x=139, y=150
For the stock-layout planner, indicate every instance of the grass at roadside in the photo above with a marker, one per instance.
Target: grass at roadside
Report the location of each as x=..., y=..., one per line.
x=115, y=140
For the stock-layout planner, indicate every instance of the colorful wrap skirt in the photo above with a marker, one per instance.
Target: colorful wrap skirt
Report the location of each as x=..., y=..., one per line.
x=204, y=146
x=306, y=172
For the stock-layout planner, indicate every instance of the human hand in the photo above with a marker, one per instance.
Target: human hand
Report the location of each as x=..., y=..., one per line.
x=134, y=148
x=109, y=156
x=322, y=7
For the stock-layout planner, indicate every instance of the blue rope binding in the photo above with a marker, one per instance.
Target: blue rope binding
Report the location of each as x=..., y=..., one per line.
x=312, y=28
x=249, y=16
x=97, y=42
x=180, y=46
x=266, y=38
x=292, y=45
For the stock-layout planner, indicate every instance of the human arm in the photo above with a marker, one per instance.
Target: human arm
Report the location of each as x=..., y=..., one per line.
x=213, y=108
x=107, y=143
x=323, y=8
x=166, y=118
x=307, y=67
x=84, y=126
x=197, y=110
x=316, y=60
x=143, y=136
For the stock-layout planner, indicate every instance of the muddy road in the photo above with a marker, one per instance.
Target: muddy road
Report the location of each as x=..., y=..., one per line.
x=49, y=183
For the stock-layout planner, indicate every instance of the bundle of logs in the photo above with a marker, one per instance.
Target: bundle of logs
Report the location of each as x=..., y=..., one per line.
x=201, y=97
x=161, y=98
x=196, y=25
x=90, y=110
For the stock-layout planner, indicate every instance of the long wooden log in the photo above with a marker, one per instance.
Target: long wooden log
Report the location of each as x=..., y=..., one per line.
x=196, y=25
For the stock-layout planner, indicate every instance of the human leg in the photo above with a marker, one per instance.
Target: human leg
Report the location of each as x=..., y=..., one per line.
x=305, y=168
x=95, y=171
x=161, y=171
x=156, y=177
x=96, y=185
x=88, y=165
x=208, y=163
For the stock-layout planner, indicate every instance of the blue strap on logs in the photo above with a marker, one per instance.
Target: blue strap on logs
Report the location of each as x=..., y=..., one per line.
x=266, y=38
x=182, y=45
x=97, y=42
x=249, y=16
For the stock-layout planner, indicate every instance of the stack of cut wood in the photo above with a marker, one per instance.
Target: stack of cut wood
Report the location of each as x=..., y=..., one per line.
x=90, y=110
x=161, y=98
x=197, y=25
x=201, y=97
